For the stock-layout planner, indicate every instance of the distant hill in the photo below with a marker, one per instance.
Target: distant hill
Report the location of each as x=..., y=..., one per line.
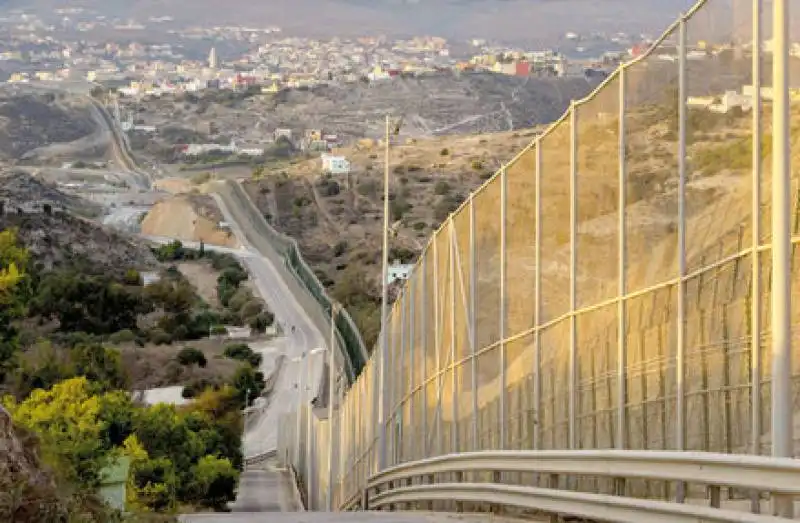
x=506, y=19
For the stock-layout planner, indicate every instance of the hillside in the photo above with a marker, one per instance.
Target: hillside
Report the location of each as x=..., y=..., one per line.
x=338, y=221
x=433, y=105
x=30, y=121
x=63, y=237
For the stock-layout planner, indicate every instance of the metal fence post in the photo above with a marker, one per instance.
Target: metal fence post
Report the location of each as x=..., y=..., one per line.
x=454, y=381
x=473, y=298
x=680, y=385
x=622, y=340
x=331, y=393
x=402, y=392
x=781, y=249
x=573, y=295
x=437, y=329
x=755, y=315
x=412, y=296
x=503, y=378
x=424, y=380
x=537, y=302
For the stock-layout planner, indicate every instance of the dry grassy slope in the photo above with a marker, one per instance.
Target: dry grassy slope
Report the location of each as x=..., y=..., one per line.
x=28, y=121
x=432, y=183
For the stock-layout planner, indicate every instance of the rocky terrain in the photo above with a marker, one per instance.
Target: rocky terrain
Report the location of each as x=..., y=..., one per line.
x=58, y=234
x=37, y=497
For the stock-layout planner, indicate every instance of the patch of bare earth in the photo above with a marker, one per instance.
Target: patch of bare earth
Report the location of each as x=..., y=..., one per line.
x=155, y=365
x=189, y=218
x=203, y=278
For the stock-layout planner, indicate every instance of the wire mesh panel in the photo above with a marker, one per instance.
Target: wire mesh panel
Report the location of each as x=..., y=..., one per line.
x=664, y=237
x=487, y=208
x=520, y=262
x=463, y=328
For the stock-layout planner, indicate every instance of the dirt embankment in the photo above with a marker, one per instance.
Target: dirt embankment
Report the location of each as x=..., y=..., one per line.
x=188, y=218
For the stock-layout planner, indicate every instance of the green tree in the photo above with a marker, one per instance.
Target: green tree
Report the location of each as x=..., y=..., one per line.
x=242, y=352
x=191, y=356
x=93, y=304
x=13, y=262
x=249, y=384
x=214, y=482
x=67, y=419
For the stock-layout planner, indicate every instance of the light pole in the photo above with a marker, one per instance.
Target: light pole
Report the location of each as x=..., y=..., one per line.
x=299, y=411
x=781, y=249
x=331, y=391
x=384, y=354
x=307, y=403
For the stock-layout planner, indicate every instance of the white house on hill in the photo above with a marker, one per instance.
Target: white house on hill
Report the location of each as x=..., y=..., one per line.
x=335, y=164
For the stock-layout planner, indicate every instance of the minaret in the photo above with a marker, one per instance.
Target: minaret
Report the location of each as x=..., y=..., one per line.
x=212, y=58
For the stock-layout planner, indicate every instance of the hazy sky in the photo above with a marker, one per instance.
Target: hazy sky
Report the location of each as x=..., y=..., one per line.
x=526, y=20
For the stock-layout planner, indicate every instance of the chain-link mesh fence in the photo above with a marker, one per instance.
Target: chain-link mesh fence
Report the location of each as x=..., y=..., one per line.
x=607, y=288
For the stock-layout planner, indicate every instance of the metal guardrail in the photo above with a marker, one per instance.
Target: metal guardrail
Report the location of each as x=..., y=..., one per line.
x=260, y=458
x=406, y=483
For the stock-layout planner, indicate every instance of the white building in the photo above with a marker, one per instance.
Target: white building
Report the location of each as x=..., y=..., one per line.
x=398, y=271
x=286, y=133
x=335, y=164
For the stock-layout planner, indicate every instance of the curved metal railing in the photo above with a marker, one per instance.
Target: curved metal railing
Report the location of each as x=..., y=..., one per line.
x=453, y=479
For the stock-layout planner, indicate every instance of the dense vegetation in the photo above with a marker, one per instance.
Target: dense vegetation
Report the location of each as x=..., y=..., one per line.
x=186, y=455
x=240, y=306
x=67, y=387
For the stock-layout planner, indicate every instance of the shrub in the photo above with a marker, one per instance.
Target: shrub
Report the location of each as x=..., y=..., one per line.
x=441, y=188
x=444, y=152
x=248, y=383
x=213, y=482
x=399, y=207
x=132, y=277
x=261, y=321
x=242, y=352
x=201, y=178
x=477, y=165
x=252, y=308
x=159, y=336
x=418, y=226
x=329, y=188
x=445, y=207
x=340, y=248
x=191, y=356
x=123, y=336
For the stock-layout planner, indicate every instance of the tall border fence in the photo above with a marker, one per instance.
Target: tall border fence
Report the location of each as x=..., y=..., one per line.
x=309, y=291
x=609, y=287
